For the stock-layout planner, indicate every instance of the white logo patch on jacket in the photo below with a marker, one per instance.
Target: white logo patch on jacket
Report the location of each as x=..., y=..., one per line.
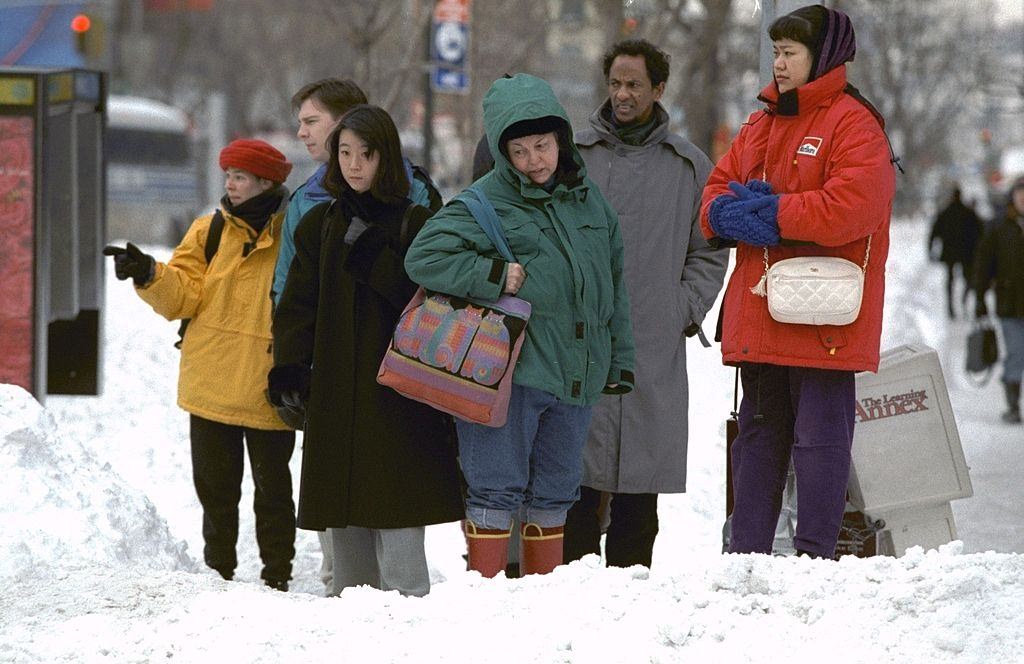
x=810, y=146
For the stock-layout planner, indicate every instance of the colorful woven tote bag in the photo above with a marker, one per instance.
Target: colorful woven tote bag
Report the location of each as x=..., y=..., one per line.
x=457, y=354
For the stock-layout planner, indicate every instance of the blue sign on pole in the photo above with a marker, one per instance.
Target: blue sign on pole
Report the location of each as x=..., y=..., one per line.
x=449, y=80
x=449, y=45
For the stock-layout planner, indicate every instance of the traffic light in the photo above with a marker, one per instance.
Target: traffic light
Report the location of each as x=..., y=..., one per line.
x=80, y=25
x=89, y=36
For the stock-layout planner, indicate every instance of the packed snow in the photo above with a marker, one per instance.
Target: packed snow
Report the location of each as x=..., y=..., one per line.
x=101, y=550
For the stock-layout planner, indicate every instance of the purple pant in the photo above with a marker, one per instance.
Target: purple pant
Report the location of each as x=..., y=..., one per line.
x=804, y=413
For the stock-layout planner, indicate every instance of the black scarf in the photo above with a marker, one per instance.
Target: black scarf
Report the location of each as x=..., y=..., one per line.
x=257, y=210
x=371, y=209
x=634, y=133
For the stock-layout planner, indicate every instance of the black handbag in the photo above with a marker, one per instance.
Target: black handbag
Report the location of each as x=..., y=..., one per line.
x=982, y=350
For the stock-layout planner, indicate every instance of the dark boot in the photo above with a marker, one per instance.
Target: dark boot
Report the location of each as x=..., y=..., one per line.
x=583, y=526
x=488, y=549
x=1012, y=415
x=809, y=554
x=633, y=529
x=541, y=548
x=226, y=574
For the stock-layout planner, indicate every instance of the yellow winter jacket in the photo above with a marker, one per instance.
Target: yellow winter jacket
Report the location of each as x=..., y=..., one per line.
x=227, y=350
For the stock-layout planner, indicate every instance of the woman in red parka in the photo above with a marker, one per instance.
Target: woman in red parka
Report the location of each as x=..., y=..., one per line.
x=809, y=174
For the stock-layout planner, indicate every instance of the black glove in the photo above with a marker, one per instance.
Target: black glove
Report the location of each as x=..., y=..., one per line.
x=292, y=410
x=288, y=385
x=131, y=262
x=355, y=229
x=287, y=390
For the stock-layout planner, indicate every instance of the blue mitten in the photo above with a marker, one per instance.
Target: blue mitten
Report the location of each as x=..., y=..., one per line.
x=759, y=199
x=751, y=200
x=715, y=215
x=748, y=216
x=768, y=209
x=752, y=217
x=760, y=187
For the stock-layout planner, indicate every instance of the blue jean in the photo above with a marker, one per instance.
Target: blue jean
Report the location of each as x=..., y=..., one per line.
x=531, y=467
x=1013, y=340
x=806, y=414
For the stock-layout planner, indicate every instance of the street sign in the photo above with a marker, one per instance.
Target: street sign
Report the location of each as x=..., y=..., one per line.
x=449, y=46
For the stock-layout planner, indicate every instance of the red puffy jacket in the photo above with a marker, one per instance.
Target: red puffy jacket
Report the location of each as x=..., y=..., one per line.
x=830, y=161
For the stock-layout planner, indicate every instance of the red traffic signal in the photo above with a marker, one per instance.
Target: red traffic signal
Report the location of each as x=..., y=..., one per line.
x=81, y=24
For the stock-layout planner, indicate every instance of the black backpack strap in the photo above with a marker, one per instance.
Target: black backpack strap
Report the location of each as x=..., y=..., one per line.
x=856, y=94
x=209, y=251
x=213, y=236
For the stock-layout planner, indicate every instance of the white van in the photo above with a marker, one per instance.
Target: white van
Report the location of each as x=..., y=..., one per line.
x=153, y=183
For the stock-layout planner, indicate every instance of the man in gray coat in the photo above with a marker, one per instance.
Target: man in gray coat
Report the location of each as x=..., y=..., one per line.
x=653, y=179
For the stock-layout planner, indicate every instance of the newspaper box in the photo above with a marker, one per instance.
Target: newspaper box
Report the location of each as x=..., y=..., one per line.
x=907, y=459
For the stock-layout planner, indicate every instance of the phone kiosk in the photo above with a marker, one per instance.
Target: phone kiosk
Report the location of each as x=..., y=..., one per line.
x=908, y=463
x=52, y=226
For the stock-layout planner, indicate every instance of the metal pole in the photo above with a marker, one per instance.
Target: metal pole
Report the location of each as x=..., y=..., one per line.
x=767, y=17
x=428, y=101
x=216, y=138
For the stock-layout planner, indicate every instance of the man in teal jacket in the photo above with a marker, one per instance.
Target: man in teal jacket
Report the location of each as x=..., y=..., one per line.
x=579, y=342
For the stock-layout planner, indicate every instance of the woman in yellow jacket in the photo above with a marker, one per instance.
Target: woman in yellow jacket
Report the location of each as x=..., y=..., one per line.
x=226, y=354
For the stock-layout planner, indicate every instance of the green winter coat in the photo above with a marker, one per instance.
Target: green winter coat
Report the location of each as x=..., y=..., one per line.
x=579, y=338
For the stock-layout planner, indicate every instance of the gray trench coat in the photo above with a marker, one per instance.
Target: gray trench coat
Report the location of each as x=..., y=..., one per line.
x=637, y=441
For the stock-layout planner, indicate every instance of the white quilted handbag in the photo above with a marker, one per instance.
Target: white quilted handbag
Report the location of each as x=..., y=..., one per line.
x=813, y=290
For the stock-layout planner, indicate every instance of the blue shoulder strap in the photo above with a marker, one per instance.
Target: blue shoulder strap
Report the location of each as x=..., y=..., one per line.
x=482, y=210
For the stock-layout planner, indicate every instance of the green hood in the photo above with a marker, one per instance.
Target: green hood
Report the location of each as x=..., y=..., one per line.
x=524, y=97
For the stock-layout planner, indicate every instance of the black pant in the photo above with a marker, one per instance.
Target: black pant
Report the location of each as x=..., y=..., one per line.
x=217, y=466
x=631, y=532
x=965, y=270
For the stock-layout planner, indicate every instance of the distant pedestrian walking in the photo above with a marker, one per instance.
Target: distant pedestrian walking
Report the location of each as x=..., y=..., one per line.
x=957, y=230
x=1000, y=264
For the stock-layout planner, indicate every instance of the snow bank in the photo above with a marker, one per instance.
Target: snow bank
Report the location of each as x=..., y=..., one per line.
x=59, y=506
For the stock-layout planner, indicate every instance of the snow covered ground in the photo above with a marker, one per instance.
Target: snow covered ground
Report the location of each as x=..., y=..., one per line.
x=100, y=545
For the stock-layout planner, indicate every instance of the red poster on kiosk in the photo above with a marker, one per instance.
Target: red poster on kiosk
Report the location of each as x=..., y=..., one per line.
x=16, y=262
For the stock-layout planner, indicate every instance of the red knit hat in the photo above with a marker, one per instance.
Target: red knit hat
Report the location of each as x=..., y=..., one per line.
x=257, y=157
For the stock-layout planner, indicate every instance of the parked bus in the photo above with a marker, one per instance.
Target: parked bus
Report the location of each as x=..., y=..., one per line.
x=153, y=176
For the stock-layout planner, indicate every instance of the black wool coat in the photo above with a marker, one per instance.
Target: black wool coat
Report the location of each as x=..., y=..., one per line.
x=999, y=265
x=958, y=228
x=371, y=457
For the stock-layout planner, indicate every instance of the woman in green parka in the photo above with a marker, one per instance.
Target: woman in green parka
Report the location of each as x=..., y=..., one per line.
x=578, y=344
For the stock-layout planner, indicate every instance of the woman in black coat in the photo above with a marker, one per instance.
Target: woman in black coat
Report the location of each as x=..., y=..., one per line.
x=376, y=467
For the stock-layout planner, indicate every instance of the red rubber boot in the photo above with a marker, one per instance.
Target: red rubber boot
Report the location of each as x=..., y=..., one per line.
x=541, y=548
x=488, y=549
